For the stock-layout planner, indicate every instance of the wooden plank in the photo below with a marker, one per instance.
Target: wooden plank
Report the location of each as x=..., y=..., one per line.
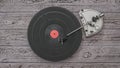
x=85, y=54
x=18, y=8
x=22, y=20
x=19, y=38
x=36, y=5
x=59, y=65
x=15, y=20
x=99, y=51
x=66, y=2
x=13, y=37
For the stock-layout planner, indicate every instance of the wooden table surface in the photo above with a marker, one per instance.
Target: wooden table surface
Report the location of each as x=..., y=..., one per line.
x=99, y=51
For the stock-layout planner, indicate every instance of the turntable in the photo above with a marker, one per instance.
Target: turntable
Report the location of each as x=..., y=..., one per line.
x=55, y=34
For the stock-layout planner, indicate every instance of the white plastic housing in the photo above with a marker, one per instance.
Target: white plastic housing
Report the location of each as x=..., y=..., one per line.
x=91, y=27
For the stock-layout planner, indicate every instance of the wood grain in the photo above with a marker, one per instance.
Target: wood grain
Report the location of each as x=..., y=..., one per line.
x=85, y=54
x=99, y=51
x=36, y=5
x=18, y=37
x=59, y=65
x=22, y=20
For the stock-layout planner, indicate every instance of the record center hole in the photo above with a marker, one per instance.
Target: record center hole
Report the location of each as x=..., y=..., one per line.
x=54, y=34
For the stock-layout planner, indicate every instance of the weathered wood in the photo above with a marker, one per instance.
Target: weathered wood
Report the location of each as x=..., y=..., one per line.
x=66, y=2
x=28, y=8
x=99, y=51
x=60, y=65
x=22, y=20
x=36, y=5
x=61, y=1
x=13, y=37
x=106, y=37
x=98, y=54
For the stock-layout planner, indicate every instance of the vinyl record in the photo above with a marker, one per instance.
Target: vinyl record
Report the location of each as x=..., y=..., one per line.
x=50, y=25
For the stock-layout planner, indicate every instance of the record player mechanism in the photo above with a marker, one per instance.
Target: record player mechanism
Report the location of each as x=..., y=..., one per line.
x=55, y=34
x=92, y=21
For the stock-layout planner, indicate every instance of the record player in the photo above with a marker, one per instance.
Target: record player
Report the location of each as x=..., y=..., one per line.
x=54, y=33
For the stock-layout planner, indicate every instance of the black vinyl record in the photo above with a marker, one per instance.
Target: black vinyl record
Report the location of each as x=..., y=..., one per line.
x=47, y=27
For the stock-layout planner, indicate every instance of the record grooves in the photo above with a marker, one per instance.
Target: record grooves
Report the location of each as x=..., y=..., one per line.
x=50, y=25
